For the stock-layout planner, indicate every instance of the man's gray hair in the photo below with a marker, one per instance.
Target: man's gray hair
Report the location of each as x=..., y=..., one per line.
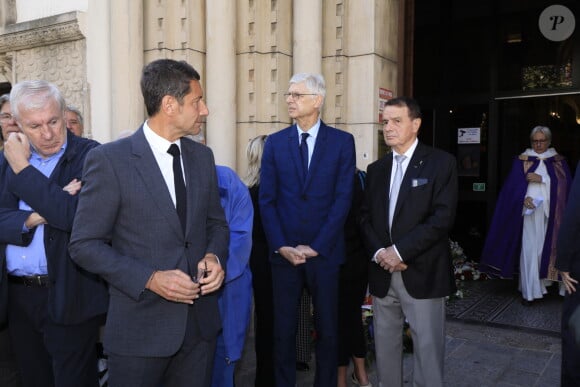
x=34, y=95
x=314, y=82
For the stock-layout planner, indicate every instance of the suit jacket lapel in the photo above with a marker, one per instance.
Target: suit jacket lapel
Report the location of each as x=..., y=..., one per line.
x=294, y=150
x=385, y=189
x=145, y=163
x=413, y=171
x=319, y=149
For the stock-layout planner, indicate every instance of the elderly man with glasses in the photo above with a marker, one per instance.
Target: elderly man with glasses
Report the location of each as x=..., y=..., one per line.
x=305, y=195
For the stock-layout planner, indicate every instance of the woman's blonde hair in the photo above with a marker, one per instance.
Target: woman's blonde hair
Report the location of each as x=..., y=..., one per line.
x=254, y=154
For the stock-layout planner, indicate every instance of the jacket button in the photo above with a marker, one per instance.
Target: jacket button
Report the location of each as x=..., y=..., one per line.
x=187, y=245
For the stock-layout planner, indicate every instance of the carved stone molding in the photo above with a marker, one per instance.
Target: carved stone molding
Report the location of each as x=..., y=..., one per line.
x=41, y=32
x=6, y=66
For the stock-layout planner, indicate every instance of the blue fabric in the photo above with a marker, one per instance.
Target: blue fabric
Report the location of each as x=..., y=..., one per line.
x=501, y=251
x=235, y=301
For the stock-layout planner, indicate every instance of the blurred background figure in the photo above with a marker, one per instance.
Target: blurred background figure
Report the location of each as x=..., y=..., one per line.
x=235, y=299
x=527, y=218
x=568, y=262
x=9, y=377
x=7, y=121
x=74, y=120
x=261, y=273
x=353, y=282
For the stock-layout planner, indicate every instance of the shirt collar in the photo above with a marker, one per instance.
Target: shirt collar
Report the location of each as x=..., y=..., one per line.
x=313, y=132
x=158, y=143
x=409, y=153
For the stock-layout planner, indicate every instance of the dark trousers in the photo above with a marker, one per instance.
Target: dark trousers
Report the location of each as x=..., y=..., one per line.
x=570, y=345
x=190, y=366
x=50, y=354
x=351, y=338
x=288, y=282
x=264, y=317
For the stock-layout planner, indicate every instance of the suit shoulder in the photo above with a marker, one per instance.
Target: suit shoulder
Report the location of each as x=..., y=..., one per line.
x=226, y=173
x=282, y=133
x=188, y=145
x=436, y=153
x=83, y=143
x=337, y=132
x=380, y=163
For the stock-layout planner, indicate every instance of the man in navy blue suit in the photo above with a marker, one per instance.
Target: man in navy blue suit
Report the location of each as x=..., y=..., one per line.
x=54, y=307
x=305, y=195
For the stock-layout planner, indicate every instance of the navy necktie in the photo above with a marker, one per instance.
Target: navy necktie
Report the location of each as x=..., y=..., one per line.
x=180, y=193
x=304, y=152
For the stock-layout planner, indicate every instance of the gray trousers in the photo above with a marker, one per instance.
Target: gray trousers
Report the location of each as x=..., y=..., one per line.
x=427, y=322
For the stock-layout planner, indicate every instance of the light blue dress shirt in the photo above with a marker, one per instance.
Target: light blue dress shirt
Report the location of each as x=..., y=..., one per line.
x=31, y=259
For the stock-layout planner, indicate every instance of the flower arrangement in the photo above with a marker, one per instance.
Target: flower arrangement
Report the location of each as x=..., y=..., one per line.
x=463, y=268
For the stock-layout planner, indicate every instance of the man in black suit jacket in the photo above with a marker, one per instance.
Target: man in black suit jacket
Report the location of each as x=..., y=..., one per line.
x=568, y=262
x=54, y=307
x=151, y=238
x=411, y=272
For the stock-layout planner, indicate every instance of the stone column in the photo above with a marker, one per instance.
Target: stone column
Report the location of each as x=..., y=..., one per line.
x=220, y=67
x=127, y=54
x=98, y=115
x=114, y=64
x=307, y=30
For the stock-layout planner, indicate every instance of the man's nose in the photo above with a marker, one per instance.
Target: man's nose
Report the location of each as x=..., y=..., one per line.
x=204, y=111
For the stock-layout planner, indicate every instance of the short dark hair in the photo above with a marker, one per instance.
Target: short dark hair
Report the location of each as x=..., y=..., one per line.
x=410, y=103
x=166, y=77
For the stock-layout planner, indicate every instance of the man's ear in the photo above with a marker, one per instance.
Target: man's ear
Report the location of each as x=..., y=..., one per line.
x=416, y=124
x=168, y=104
x=319, y=101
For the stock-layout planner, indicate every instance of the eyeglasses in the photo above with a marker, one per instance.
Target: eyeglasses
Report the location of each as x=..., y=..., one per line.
x=6, y=117
x=297, y=95
x=539, y=141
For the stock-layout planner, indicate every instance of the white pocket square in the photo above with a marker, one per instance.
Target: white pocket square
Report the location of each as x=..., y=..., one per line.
x=419, y=182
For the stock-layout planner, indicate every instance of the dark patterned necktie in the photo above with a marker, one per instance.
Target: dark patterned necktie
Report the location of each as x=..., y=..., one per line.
x=178, y=180
x=304, y=152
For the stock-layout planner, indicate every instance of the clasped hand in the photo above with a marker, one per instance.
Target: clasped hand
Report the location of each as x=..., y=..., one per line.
x=297, y=255
x=389, y=260
x=177, y=286
x=532, y=177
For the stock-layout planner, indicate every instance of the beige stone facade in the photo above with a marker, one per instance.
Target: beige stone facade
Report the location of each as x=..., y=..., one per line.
x=245, y=50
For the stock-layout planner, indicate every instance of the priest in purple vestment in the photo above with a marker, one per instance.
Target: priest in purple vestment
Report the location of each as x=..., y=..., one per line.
x=522, y=236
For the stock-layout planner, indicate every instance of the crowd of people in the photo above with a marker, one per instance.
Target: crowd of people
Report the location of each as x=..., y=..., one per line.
x=147, y=236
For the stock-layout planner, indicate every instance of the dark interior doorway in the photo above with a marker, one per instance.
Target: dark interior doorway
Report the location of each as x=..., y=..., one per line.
x=487, y=65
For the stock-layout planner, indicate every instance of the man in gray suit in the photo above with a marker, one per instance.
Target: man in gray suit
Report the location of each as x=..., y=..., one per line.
x=149, y=235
